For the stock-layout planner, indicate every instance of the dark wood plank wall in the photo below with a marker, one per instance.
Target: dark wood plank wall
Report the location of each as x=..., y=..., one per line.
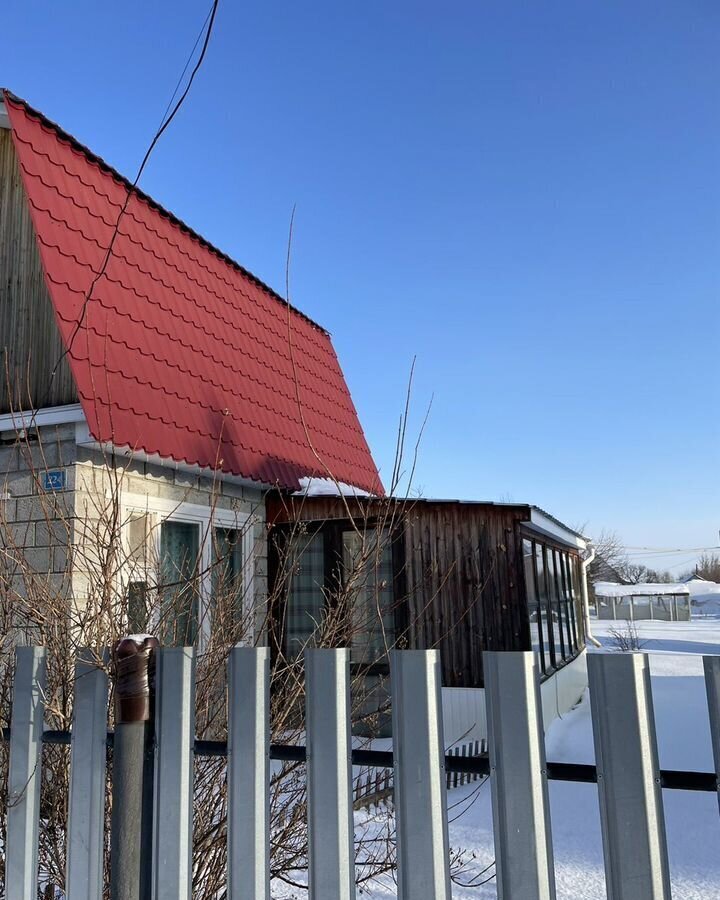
x=462, y=573
x=30, y=342
x=465, y=584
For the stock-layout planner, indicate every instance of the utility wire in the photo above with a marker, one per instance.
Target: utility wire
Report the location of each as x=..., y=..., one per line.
x=165, y=122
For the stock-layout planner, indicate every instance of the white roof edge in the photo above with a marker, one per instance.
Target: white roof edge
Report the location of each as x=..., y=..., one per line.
x=83, y=438
x=50, y=415
x=552, y=527
x=4, y=118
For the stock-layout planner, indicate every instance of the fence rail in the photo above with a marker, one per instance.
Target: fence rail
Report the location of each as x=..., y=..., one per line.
x=629, y=779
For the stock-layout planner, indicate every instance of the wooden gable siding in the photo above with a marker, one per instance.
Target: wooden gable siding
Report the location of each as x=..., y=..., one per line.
x=30, y=342
x=461, y=568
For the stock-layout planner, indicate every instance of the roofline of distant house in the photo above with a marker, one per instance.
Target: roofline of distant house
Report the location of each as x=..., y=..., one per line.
x=93, y=157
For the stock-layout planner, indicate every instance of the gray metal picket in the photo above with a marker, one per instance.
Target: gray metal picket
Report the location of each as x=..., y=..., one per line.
x=420, y=788
x=521, y=816
x=627, y=772
x=629, y=792
x=249, y=774
x=173, y=813
x=24, y=777
x=86, y=817
x=331, y=857
x=711, y=665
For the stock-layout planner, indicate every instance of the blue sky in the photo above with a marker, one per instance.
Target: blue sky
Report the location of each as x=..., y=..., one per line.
x=524, y=198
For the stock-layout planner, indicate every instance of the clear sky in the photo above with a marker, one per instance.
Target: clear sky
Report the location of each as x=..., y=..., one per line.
x=525, y=197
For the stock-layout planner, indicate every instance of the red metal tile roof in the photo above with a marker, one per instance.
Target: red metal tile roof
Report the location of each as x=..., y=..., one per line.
x=181, y=352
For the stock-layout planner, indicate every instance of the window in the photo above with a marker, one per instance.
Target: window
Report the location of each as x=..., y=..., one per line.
x=341, y=580
x=227, y=582
x=179, y=582
x=367, y=573
x=534, y=611
x=554, y=589
x=187, y=568
x=544, y=605
x=551, y=583
x=306, y=592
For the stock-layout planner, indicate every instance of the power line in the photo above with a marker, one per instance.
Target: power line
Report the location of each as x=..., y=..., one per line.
x=665, y=551
x=165, y=122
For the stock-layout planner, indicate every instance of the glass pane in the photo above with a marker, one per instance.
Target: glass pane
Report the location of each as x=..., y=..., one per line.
x=227, y=579
x=534, y=613
x=179, y=551
x=555, y=588
x=368, y=579
x=548, y=642
x=554, y=596
x=562, y=580
x=306, y=598
x=569, y=565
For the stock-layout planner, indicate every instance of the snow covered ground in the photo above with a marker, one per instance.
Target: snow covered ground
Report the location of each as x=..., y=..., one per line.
x=693, y=823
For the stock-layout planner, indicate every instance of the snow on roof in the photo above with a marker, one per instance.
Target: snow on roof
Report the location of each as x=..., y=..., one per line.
x=609, y=589
x=326, y=487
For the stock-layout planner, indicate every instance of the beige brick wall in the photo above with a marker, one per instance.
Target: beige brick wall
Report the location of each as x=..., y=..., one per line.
x=36, y=526
x=54, y=536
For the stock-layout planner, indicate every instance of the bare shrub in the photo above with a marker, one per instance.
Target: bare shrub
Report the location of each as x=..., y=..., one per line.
x=626, y=638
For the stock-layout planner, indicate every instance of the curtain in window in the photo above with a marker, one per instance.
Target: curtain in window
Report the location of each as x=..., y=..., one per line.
x=306, y=597
x=368, y=579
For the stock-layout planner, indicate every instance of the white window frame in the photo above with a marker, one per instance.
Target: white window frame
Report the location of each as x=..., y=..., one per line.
x=207, y=518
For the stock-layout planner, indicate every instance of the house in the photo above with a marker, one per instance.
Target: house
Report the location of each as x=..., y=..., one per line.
x=632, y=602
x=460, y=576
x=164, y=363
x=164, y=392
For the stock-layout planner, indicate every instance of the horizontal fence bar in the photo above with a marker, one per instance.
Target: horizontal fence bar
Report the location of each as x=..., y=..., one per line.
x=670, y=779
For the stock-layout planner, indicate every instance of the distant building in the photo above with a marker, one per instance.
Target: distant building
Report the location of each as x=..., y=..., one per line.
x=633, y=602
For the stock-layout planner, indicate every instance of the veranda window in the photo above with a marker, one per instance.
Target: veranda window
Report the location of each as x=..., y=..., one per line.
x=552, y=583
x=535, y=614
x=367, y=566
x=305, y=599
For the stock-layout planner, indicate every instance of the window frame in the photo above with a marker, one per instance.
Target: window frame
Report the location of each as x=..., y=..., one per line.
x=206, y=518
x=566, y=630
x=333, y=530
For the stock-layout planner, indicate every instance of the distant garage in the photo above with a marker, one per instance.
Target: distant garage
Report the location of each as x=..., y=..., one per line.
x=633, y=602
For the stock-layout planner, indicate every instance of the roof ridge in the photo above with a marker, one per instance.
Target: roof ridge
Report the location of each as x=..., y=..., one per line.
x=102, y=164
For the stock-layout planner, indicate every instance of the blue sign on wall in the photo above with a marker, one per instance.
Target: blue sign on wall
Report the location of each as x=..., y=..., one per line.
x=53, y=480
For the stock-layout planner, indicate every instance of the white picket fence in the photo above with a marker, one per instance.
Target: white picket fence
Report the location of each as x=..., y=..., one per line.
x=629, y=788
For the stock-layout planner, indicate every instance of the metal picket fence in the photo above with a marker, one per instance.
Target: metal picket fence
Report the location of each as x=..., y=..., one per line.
x=627, y=774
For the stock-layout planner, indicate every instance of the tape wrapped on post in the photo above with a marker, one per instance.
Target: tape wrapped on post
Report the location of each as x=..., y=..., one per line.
x=134, y=679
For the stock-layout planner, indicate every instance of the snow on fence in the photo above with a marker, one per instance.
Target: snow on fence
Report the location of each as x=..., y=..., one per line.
x=627, y=774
